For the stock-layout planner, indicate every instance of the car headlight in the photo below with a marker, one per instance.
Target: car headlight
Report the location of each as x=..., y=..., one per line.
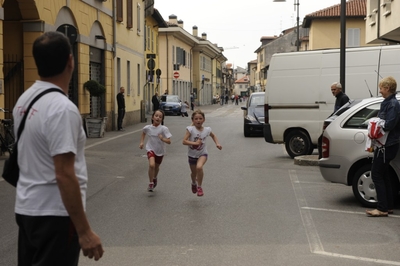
x=250, y=118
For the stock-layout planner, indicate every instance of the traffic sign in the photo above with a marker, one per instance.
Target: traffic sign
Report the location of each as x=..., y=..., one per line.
x=176, y=74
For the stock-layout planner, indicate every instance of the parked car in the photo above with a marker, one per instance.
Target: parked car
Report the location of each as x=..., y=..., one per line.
x=170, y=104
x=253, y=121
x=344, y=158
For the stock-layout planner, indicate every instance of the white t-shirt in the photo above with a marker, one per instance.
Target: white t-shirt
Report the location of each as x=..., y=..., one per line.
x=53, y=126
x=154, y=143
x=183, y=107
x=196, y=151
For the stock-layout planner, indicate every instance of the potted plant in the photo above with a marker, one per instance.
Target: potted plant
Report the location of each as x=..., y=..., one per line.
x=95, y=124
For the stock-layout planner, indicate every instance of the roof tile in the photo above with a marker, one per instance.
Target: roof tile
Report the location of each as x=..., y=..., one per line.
x=354, y=8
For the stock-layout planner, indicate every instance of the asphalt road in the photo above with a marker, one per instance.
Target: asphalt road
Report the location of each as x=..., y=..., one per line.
x=258, y=208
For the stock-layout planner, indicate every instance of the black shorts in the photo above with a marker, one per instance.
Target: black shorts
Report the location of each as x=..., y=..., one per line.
x=47, y=240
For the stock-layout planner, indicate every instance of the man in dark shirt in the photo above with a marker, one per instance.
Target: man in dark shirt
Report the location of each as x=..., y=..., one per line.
x=341, y=99
x=121, y=107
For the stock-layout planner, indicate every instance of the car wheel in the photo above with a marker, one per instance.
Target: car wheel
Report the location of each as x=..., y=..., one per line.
x=246, y=131
x=297, y=143
x=364, y=188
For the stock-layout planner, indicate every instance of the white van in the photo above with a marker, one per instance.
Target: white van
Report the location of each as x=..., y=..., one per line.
x=298, y=97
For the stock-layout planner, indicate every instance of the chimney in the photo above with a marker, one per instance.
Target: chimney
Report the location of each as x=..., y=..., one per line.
x=195, y=32
x=204, y=36
x=173, y=19
x=180, y=23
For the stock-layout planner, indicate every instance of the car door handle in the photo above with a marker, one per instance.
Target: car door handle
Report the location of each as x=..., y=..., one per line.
x=320, y=102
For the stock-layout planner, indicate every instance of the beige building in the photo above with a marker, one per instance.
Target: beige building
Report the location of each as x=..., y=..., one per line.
x=189, y=63
x=242, y=86
x=320, y=30
x=153, y=22
x=382, y=22
x=107, y=40
x=324, y=26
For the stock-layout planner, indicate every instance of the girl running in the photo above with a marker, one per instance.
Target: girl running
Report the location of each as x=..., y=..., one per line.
x=155, y=146
x=195, y=137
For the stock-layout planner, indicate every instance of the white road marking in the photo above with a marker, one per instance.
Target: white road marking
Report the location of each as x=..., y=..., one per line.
x=314, y=241
x=308, y=223
x=339, y=211
x=113, y=138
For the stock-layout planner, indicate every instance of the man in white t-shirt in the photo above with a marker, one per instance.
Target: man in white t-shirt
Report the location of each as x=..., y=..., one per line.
x=51, y=190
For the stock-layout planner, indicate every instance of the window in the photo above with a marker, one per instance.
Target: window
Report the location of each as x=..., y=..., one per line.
x=120, y=16
x=257, y=100
x=129, y=15
x=180, y=56
x=205, y=63
x=128, y=78
x=118, y=73
x=138, y=79
x=353, y=37
x=361, y=118
x=138, y=18
x=152, y=40
x=148, y=37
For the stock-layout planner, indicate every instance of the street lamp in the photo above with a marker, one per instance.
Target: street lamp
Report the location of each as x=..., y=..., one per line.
x=296, y=3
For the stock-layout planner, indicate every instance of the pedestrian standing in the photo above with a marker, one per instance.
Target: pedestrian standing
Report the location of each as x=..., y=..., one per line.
x=184, y=107
x=191, y=101
x=121, y=108
x=158, y=135
x=196, y=137
x=380, y=174
x=236, y=99
x=51, y=191
x=156, y=102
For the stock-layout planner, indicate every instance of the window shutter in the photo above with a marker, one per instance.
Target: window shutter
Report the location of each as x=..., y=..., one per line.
x=129, y=14
x=120, y=16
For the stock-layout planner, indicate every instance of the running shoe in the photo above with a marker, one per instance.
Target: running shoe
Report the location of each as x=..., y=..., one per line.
x=194, y=188
x=150, y=188
x=199, y=192
x=155, y=182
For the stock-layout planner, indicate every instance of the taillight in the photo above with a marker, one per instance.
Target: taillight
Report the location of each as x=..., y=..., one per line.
x=266, y=113
x=325, y=147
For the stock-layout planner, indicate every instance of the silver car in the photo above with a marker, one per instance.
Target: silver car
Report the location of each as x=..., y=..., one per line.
x=344, y=159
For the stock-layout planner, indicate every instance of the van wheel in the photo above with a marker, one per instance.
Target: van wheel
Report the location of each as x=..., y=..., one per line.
x=297, y=143
x=364, y=188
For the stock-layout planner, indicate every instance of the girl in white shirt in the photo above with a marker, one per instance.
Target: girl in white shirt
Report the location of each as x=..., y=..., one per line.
x=195, y=137
x=184, y=107
x=158, y=135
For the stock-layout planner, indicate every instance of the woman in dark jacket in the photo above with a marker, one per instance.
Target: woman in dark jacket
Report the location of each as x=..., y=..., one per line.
x=156, y=102
x=390, y=112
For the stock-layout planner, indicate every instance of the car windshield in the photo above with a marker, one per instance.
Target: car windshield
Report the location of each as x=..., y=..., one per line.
x=257, y=100
x=170, y=98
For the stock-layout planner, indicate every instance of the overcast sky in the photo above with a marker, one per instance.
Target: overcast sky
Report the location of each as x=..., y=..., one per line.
x=239, y=24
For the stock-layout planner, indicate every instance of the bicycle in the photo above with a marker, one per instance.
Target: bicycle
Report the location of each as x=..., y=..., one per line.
x=7, y=138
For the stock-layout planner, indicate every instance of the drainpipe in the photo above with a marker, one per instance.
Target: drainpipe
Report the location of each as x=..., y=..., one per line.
x=114, y=47
x=167, y=64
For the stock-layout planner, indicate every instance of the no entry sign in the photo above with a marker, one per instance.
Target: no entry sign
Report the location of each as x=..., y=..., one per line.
x=176, y=74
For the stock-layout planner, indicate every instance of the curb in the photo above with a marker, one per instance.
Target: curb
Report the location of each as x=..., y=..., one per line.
x=306, y=160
